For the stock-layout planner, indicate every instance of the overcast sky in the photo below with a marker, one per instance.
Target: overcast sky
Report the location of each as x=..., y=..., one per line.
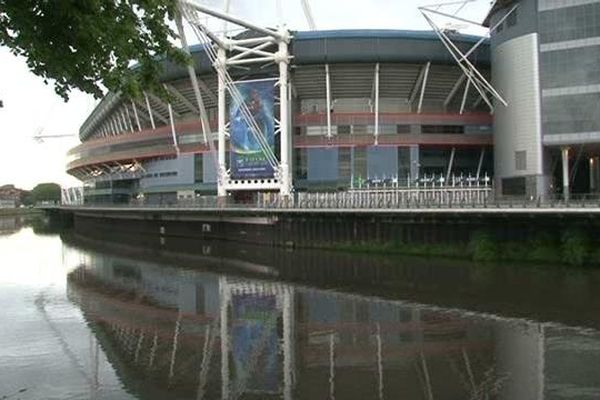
x=30, y=106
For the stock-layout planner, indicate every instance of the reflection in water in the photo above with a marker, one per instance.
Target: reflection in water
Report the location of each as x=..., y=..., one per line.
x=192, y=334
x=85, y=319
x=10, y=225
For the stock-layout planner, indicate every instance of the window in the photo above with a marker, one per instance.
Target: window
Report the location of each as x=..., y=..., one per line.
x=569, y=23
x=198, y=168
x=402, y=129
x=359, y=130
x=513, y=186
x=521, y=160
x=343, y=129
x=443, y=129
x=571, y=113
x=300, y=164
x=512, y=18
x=344, y=163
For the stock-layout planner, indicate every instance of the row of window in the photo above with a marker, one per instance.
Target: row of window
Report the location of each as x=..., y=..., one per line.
x=571, y=114
x=161, y=174
x=570, y=67
x=326, y=164
x=392, y=129
x=509, y=22
x=570, y=23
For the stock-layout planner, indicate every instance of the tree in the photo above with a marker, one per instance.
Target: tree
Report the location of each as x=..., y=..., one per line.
x=45, y=192
x=91, y=45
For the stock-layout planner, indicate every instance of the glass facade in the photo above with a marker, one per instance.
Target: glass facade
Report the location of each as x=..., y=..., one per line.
x=569, y=23
x=571, y=114
x=322, y=164
x=382, y=162
x=337, y=167
x=569, y=66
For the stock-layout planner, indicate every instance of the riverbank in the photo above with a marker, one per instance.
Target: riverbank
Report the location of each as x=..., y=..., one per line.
x=552, y=237
x=11, y=212
x=573, y=248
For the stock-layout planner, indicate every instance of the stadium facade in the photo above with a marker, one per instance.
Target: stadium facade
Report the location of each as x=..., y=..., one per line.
x=372, y=107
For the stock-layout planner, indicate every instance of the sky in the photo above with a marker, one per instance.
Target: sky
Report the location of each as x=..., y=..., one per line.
x=31, y=107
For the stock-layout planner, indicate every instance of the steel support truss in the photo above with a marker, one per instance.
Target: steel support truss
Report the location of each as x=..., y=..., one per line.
x=475, y=78
x=269, y=47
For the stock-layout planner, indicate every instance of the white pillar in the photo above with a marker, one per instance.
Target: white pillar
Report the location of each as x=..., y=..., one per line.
x=565, y=171
x=593, y=174
x=424, y=85
x=480, y=164
x=224, y=320
x=129, y=118
x=464, y=99
x=284, y=123
x=172, y=123
x=376, y=102
x=222, y=110
x=450, y=164
x=288, y=343
x=137, y=118
x=328, y=95
x=149, y=111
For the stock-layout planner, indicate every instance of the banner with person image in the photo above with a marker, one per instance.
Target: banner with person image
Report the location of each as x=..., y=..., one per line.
x=248, y=159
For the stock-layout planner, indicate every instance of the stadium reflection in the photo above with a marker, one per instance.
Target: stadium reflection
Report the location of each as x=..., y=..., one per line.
x=170, y=332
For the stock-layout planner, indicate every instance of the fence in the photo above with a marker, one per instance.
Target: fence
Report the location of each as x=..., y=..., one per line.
x=395, y=198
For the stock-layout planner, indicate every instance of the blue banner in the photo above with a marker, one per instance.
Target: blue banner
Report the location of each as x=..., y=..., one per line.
x=255, y=341
x=247, y=157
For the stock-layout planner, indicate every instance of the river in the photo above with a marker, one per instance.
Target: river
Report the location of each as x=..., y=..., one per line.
x=160, y=318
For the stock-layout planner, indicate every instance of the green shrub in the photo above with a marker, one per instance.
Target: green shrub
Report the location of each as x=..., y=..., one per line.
x=482, y=247
x=594, y=255
x=544, y=249
x=574, y=248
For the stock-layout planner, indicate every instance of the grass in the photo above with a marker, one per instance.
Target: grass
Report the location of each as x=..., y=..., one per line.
x=19, y=211
x=412, y=249
x=572, y=249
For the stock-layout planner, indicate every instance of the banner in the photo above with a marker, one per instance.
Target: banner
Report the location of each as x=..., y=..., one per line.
x=247, y=157
x=255, y=341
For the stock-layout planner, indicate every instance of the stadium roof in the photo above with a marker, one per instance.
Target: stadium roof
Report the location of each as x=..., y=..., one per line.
x=377, y=33
x=354, y=46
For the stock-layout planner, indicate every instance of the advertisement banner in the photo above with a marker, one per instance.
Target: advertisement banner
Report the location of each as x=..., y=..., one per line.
x=247, y=159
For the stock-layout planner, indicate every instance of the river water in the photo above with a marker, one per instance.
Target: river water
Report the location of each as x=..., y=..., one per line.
x=157, y=318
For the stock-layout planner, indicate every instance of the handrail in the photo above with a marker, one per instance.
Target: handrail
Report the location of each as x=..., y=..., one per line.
x=422, y=199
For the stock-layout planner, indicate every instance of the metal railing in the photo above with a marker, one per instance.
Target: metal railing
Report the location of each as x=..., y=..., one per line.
x=368, y=199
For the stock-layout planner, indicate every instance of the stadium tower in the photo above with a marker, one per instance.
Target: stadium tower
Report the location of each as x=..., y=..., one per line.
x=545, y=58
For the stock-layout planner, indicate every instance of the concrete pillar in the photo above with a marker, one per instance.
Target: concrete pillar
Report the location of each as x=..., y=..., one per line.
x=415, y=165
x=222, y=127
x=565, y=172
x=284, y=121
x=593, y=174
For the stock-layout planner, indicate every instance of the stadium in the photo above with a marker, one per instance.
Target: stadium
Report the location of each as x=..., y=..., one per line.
x=367, y=108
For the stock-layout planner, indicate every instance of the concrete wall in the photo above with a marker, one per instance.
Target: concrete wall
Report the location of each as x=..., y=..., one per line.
x=517, y=127
x=183, y=165
x=527, y=22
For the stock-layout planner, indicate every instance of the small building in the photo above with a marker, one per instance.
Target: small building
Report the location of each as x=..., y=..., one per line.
x=8, y=203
